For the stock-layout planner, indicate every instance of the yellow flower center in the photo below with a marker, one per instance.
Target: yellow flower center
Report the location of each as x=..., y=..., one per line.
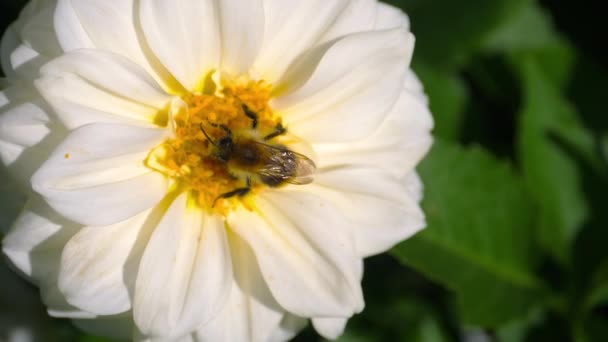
x=197, y=156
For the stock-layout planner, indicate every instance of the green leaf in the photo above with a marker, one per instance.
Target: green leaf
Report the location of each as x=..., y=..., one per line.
x=599, y=288
x=449, y=32
x=548, y=122
x=518, y=330
x=530, y=32
x=528, y=28
x=587, y=323
x=401, y=319
x=447, y=99
x=430, y=331
x=401, y=305
x=604, y=147
x=479, y=236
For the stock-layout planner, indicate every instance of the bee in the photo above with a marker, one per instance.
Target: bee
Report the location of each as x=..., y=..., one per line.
x=259, y=161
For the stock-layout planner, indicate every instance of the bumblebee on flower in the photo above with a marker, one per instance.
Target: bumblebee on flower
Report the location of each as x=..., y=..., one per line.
x=210, y=170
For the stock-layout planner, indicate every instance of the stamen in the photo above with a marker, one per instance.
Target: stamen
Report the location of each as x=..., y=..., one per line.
x=193, y=157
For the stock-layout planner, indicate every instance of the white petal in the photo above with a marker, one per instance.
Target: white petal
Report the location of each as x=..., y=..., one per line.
x=106, y=25
x=89, y=86
x=289, y=327
x=70, y=32
x=390, y=17
x=185, y=273
x=414, y=185
x=97, y=175
x=251, y=313
x=359, y=180
x=10, y=41
x=57, y=306
x=284, y=36
x=35, y=241
x=27, y=134
x=30, y=41
x=118, y=327
x=36, y=28
x=242, y=27
x=309, y=272
x=379, y=205
x=94, y=266
x=21, y=55
x=184, y=35
x=358, y=16
x=346, y=92
x=398, y=144
x=23, y=120
x=34, y=246
x=330, y=328
x=26, y=62
x=414, y=87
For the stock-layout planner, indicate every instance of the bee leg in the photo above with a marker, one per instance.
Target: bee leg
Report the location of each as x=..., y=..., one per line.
x=250, y=114
x=240, y=192
x=223, y=127
x=279, y=129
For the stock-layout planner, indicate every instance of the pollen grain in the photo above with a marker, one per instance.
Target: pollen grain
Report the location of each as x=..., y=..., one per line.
x=191, y=159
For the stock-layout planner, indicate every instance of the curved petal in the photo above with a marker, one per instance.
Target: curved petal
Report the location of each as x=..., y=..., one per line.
x=34, y=245
x=57, y=306
x=36, y=28
x=26, y=62
x=284, y=38
x=9, y=42
x=185, y=273
x=30, y=41
x=383, y=210
x=330, y=328
x=414, y=87
x=308, y=271
x=357, y=16
x=89, y=86
x=251, y=313
x=414, y=185
x=27, y=133
x=390, y=17
x=347, y=93
x=35, y=241
x=70, y=32
x=108, y=25
x=184, y=35
x=97, y=176
x=94, y=264
x=242, y=28
x=398, y=144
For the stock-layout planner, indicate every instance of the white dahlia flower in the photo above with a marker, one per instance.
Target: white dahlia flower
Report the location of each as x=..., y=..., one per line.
x=210, y=170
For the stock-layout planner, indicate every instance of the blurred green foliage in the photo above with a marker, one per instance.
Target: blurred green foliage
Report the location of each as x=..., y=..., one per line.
x=515, y=183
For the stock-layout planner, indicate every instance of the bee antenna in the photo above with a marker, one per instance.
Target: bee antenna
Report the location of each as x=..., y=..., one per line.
x=207, y=135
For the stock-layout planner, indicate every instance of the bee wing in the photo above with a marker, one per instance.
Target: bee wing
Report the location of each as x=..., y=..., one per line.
x=305, y=168
x=284, y=165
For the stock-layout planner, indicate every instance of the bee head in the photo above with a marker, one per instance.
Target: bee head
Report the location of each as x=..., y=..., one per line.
x=225, y=148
